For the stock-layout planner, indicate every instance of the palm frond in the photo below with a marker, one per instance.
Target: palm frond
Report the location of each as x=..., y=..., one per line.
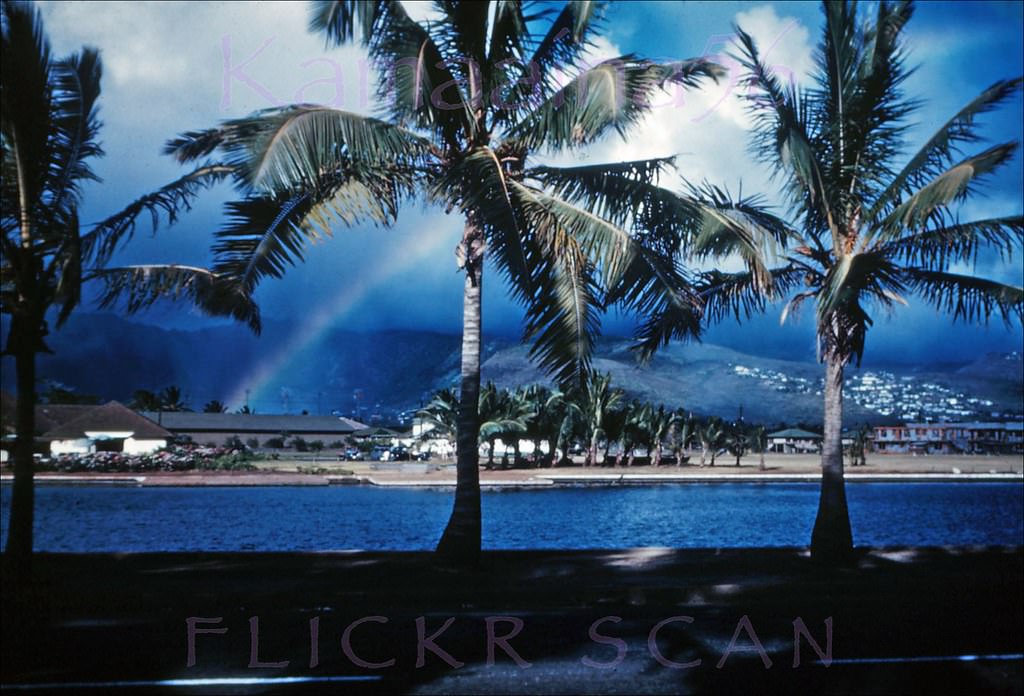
x=937, y=247
x=419, y=87
x=100, y=243
x=782, y=138
x=563, y=318
x=617, y=191
x=867, y=125
x=613, y=95
x=295, y=148
x=65, y=270
x=338, y=20
x=742, y=226
x=139, y=287
x=967, y=298
x=854, y=277
x=554, y=222
x=741, y=295
x=26, y=64
x=936, y=155
x=559, y=50
x=263, y=236
x=76, y=128
x=928, y=205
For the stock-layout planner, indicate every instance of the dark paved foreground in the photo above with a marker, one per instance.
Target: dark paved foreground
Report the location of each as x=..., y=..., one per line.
x=903, y=621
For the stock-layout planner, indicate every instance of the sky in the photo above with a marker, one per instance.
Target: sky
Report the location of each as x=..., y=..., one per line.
x=174, y=66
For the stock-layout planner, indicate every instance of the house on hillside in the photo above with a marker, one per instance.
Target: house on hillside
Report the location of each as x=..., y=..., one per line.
x=112, y=427
x=218, y=428
x=794, y=441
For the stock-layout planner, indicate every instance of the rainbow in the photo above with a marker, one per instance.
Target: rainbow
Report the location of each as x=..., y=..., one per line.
x=423, y=245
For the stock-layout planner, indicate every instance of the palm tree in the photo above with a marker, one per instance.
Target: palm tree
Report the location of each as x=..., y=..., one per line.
x=711, y=435
x=214, y=406
x=472, y=96
x=596, y=399
x=171, y=399
x=759, y=444
x=614, y=426
x=869, y=226
x=859, y=445
x=145, y=400
x=737, y=441
x=49, y=137
x=441, y=414
x=502, y=417
x=635, y=430
x=661, y=423
x=551, y=420
x=681, y=434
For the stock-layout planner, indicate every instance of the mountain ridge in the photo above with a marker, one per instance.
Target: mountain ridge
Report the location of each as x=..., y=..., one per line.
x=392, y=370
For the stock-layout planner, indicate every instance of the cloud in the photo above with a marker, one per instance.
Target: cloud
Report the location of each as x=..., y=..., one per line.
x=708, y=128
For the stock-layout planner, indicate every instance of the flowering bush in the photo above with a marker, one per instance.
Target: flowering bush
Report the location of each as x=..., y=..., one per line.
x=175, y=458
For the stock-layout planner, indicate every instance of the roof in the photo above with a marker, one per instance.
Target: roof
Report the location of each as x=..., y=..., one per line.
x=187, y=421
x=376, y=432
x=110, y=417
x=796, y=434
x=1013, y=425
x=49, y=416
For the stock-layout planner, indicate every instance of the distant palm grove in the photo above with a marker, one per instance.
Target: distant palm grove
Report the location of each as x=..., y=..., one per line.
x=475, y=106
x=594, y=420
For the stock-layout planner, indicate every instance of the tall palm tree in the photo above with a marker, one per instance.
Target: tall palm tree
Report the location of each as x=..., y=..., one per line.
x=470, y=97
x=869, y=224
x=49, y=138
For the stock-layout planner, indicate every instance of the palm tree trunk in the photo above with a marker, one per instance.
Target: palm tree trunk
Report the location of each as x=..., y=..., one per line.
x=832, y=539
x=461, y=539
x=19, y=531
x=760, y=462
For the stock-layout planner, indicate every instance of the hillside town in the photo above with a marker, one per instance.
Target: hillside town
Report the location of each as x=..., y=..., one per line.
x=902, y=398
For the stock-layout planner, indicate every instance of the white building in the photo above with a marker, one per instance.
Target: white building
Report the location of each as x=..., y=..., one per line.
x=111, y=427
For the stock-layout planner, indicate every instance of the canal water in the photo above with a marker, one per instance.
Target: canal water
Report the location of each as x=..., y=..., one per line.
x=118, y=518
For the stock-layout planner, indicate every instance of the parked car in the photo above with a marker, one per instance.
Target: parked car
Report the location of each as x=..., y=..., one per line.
x=353, y=454
x=400, y=454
